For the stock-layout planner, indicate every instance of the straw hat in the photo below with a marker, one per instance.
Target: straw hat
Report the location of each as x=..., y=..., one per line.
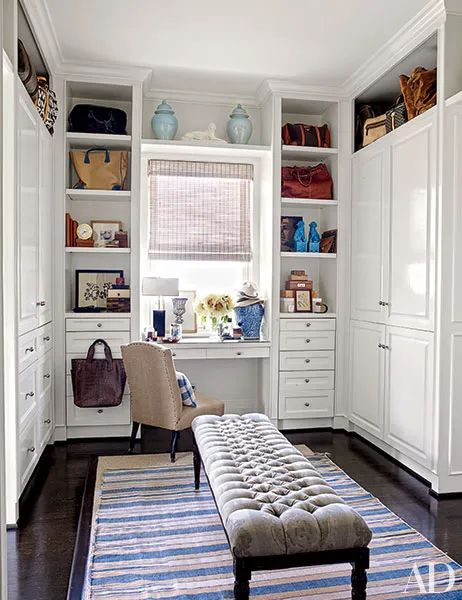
x=248, y=294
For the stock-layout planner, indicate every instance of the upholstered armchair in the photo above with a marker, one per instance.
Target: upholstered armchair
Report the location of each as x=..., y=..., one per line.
x=155, y=395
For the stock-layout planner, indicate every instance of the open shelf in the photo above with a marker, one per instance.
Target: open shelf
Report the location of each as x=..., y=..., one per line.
x=307, y=203
x=80, y=249
x=190, y=147
x=308, y=255
x=97, y=195
x=307, y=152
x=308, y=315
x=86, y=140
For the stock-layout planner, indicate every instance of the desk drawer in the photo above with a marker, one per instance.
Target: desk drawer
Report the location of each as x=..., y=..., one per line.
x=79, y=342
x=238, y=352
x=44, y=339
x=309, y=404
x=300, y=380
x=307, y=340
x=113, y=415
x=27, y=350
x=317, y=360
x=306, y=324
x=98, y=325
x=188, y=353
x=27, y=394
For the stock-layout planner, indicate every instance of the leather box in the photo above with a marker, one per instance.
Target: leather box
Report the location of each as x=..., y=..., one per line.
x=288, y=294
x=299, y=285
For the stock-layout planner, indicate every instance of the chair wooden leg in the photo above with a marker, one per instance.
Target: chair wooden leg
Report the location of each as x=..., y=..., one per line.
x=197, y=465
x=133, y=435
x=174, y=445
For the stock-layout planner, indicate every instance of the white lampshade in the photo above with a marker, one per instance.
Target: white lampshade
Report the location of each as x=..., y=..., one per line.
x=159, y=286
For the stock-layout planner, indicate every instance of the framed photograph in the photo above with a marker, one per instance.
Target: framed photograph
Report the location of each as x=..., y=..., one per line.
x=91, y=287
x=303, y=301
x=104, y=231
x=189, y=317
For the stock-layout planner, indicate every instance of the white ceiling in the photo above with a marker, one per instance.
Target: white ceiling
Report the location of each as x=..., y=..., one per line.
x=222, y=46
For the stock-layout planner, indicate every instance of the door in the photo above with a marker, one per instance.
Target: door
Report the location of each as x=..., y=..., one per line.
x=409, y=392
x=27, y=225
x=410, y=261
x=367, y=356
x=45, y=279
x=368, y=219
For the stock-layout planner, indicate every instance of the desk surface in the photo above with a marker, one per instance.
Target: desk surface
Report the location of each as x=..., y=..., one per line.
x=212, y=342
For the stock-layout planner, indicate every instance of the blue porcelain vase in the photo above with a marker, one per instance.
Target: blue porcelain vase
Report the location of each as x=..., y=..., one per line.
x=239, y=128
x=164, y=124
x=249, y=319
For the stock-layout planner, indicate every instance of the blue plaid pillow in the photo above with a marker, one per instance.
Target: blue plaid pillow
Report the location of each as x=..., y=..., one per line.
x=186, y=390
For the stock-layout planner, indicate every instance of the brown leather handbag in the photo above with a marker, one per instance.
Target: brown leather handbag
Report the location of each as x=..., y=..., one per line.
x=306, y=182
x=98, y=382
x=299, y=134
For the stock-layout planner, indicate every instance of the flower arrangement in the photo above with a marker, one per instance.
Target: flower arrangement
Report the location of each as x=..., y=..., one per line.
x=215, y=307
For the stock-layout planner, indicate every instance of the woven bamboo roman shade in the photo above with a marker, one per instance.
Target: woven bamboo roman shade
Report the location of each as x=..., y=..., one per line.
x=200, y=210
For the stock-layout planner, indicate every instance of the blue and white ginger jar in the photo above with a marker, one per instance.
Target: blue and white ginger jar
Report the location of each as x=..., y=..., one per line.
x=249, y=319
x=164, y=124
x=239, y=128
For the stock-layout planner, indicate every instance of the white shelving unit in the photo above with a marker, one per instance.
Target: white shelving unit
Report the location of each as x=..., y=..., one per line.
x=307, y=153
x=300, y=255
x=84, y=195
x=307, y=203
x=87, y=140
x=83, y=250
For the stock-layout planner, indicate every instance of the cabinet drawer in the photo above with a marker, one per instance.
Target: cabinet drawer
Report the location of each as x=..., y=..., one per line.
x=317, y=360
x=309, y=404
x=44, y=374
x=27, y=350
x=79, y=342
x=98, y=324
x=45, y=422
x=188, y=353
x=307, y=324
x=27, y=394
x=307, y=340
x=114, y=415
x=44, y=339
x=240, y=352
x=300, y=380
x=28, y=453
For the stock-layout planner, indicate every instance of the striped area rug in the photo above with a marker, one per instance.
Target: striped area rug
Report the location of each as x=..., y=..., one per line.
x=154, y=537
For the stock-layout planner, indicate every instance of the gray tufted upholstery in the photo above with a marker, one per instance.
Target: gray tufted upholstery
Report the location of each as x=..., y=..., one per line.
x=271, y=499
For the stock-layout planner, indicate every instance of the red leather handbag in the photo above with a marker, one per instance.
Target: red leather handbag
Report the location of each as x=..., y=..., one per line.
x=306, y=182
x=299, y=134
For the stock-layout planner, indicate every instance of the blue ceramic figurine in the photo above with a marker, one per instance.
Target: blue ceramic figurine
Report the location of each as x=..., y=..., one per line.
x=299, y=237
x=313, y=238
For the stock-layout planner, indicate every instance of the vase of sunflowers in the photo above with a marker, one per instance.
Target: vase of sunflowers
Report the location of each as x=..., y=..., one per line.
x=214, y=309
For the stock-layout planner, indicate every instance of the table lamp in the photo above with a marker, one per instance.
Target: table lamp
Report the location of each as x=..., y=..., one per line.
x=159, y=287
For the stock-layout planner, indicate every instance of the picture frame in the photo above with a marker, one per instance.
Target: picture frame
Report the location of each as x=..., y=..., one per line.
x=189, y=318
x=91, y=286
x=104, y=231
x=303, y=301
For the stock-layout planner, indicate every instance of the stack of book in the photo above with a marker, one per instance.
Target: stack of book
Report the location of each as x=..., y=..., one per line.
x=118, y=298
x=72, y=240
x=297, y=280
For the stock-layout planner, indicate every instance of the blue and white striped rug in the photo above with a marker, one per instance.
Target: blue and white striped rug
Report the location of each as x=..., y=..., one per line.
x=154, y=537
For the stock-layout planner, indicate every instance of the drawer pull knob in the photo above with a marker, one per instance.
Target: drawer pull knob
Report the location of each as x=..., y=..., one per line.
x=307, y=360
x=308, y=324
x=307, y=404
x=307, y=381
x=238, y=353
x=47, y=421
x=30, y=395
x=40, y=303
x=100, y=411
x=99, y=324
x=31, y=449
x=386, y=347
x=30, y=349
x=46, y=338
x=381, y=346
x=173, y=353
x=308, y=340
x=47, y=376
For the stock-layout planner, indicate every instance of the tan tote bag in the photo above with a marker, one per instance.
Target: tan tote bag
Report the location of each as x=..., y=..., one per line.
x=100, y=168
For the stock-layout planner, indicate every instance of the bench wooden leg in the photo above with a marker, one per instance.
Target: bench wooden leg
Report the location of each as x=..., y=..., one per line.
x=241, y=580
x=197, y=465
x=359, y=576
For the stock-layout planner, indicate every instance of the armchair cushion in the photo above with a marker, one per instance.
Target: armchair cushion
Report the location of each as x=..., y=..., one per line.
x=186, y=390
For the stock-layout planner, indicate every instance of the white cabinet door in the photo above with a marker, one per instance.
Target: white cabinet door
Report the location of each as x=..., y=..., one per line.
x=410, y=262
x=45, y=280
x=368, y=221
x=28, y=209
x=367, y=366
x=409, y=392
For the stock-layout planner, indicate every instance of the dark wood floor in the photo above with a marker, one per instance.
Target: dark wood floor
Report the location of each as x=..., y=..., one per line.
x=40, y=550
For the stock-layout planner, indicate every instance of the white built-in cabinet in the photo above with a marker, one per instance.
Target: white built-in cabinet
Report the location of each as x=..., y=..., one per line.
x=45, y=263
x=393, y=233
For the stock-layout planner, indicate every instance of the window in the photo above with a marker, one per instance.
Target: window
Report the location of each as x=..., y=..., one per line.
x=200, y=211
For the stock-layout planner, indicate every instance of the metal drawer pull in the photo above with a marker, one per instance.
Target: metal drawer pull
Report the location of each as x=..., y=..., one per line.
x=47, y=421
x=308, y=324
x=238, y=353
x=307, y=404
x=31, y=449
x=386, y=347
x=307, y=340
x=307, y=360
x=47, y=376
x=30, y=349
x=173, y=353
x=40, y=303
x=307, y=381
x=381, y=346
x=46, y=338
x=99, y=324
x=30, y=394
x=100, y=410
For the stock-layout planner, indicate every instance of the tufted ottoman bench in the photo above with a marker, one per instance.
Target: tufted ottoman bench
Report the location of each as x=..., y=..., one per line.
x=276, y=510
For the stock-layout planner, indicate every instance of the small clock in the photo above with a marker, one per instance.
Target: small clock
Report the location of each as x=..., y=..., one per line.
x=84, y=231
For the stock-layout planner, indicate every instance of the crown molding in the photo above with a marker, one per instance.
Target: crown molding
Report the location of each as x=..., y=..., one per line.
x=94, y=71
x=44, y=31
x=453, y=7
x=210, y=98
x=411, y=35
x=293, y=90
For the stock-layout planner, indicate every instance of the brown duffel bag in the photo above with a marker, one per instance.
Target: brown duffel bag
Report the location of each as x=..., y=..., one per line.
x=98, y=382
x=307, y=182
x=299, y=134
x=419, y=91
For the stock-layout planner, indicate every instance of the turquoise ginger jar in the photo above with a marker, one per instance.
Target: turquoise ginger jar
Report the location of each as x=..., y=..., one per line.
x=164, y=124
x=239, y=128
